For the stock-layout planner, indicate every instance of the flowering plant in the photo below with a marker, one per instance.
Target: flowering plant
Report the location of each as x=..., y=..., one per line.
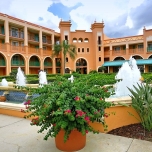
x=65, y=105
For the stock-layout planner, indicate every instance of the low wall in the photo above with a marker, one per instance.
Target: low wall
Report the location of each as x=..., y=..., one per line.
x=119, y=114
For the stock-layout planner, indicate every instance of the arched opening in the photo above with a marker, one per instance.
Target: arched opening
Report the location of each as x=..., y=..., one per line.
x=74, y=40
x=2, y=65
x=67, y=70
x=116, y=68
x=149, y=67
x=86, y=40
x=17, y=61
x=80, y=40
x=48, y=65
x=141, y=67
x=81, y=66
x=34, y=65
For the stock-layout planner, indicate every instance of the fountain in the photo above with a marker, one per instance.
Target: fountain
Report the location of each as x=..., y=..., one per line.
x=20, y=78
x=42, y=78
x=4, y=82
x=128, y=76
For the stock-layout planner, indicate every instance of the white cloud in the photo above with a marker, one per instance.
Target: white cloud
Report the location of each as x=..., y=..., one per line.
x=129, y=22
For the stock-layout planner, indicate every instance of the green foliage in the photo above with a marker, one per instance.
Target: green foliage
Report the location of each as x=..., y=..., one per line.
x=93, y=71
x=68, y=106
x=142, y=103
x=13, y=74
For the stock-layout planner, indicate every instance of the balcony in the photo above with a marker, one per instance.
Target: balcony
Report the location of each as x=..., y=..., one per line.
x=16, y=34
x=47, y=41
x=106, y=52
x=3, y=47
x=118, y=52
x=34, y=50
x=17, y=49
x=34, y=63
x=138, y=50
x=47, y=52
x=2, y=30
x=58, y=64
x=17, y=63
x=33, y=37
x=2, y=62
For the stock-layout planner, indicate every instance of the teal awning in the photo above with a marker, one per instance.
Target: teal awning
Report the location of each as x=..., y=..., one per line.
x=120, y=62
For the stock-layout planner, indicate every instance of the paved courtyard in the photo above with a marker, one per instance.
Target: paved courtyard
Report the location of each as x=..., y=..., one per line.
x=16, y=135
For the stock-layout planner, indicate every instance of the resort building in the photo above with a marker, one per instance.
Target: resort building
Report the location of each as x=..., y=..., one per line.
x=29, y=46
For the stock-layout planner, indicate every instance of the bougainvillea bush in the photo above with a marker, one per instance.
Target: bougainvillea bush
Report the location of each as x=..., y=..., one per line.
x=65, y=105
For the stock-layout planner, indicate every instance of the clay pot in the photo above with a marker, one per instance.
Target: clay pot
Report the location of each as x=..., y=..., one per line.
x=75, y=142
x=2, y=98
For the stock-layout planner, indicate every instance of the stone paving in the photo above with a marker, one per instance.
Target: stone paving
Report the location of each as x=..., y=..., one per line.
x=16, y=135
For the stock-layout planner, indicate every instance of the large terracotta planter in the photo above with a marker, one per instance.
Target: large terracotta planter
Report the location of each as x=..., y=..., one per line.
x=75, y=142
x=2, y=98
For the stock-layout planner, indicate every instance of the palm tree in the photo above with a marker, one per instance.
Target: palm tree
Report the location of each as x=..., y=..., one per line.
x=64, y=48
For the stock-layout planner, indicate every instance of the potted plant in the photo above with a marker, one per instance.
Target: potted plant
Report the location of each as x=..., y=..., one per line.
x=64, y=108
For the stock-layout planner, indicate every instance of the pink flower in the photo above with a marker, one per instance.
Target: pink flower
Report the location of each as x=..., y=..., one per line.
x=77, y=98
x=80, y=113
x=27, y=102
x=86, y=131
x=67, y=111
x=87, y=119
x=101, y=99
x=22, y=110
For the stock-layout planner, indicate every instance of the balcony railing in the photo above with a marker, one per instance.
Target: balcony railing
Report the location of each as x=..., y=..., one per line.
x=17, y=63
x=34, y=50
x=47, y=64
x=134, y=51
x=32, y=37
x=17, y=49
x=118, y=52
x=106, y=52
x=47, y=41
x=2, y=63
x=47, y=52
x=34, y=63
x=58, y=64
x=16, y=34
x=3, y=47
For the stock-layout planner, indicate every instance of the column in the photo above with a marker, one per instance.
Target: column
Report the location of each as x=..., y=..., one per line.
x=53, y=66
x=6, y=26
x=40, y=43
x=25, y=36
x=52, y=41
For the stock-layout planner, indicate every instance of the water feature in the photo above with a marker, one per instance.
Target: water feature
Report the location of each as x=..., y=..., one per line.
x=42, y=78
x=20, y=78
x=128, y=76
x=4, y=82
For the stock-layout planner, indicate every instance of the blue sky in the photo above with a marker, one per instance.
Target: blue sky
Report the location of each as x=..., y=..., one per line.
x=121, y=17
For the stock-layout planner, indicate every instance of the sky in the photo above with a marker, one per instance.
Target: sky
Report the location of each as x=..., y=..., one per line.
x=121, y=18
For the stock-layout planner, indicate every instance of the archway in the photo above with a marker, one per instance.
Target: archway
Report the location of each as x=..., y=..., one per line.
x=34, y=65
x=17, y=61
x=81, y=66
x=48, y=65
x=116, y=68
x=2, y=65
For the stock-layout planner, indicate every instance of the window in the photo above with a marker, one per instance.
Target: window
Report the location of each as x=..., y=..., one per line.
x=14, y=32
x=140, y=46
x=66, y=59
x=66, y=37
x=99, y=39
x=99, y=59
x=14, y=43
x=22, y=44
x=78, y=50
x=44, y=48
x=117, y=48
x=88, y=50
x=99, y=48
x=44, y=39
x=82, y=50
x=22, y=34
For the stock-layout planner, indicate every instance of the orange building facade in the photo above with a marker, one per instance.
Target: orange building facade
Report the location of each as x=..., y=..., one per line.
x=29, y=46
